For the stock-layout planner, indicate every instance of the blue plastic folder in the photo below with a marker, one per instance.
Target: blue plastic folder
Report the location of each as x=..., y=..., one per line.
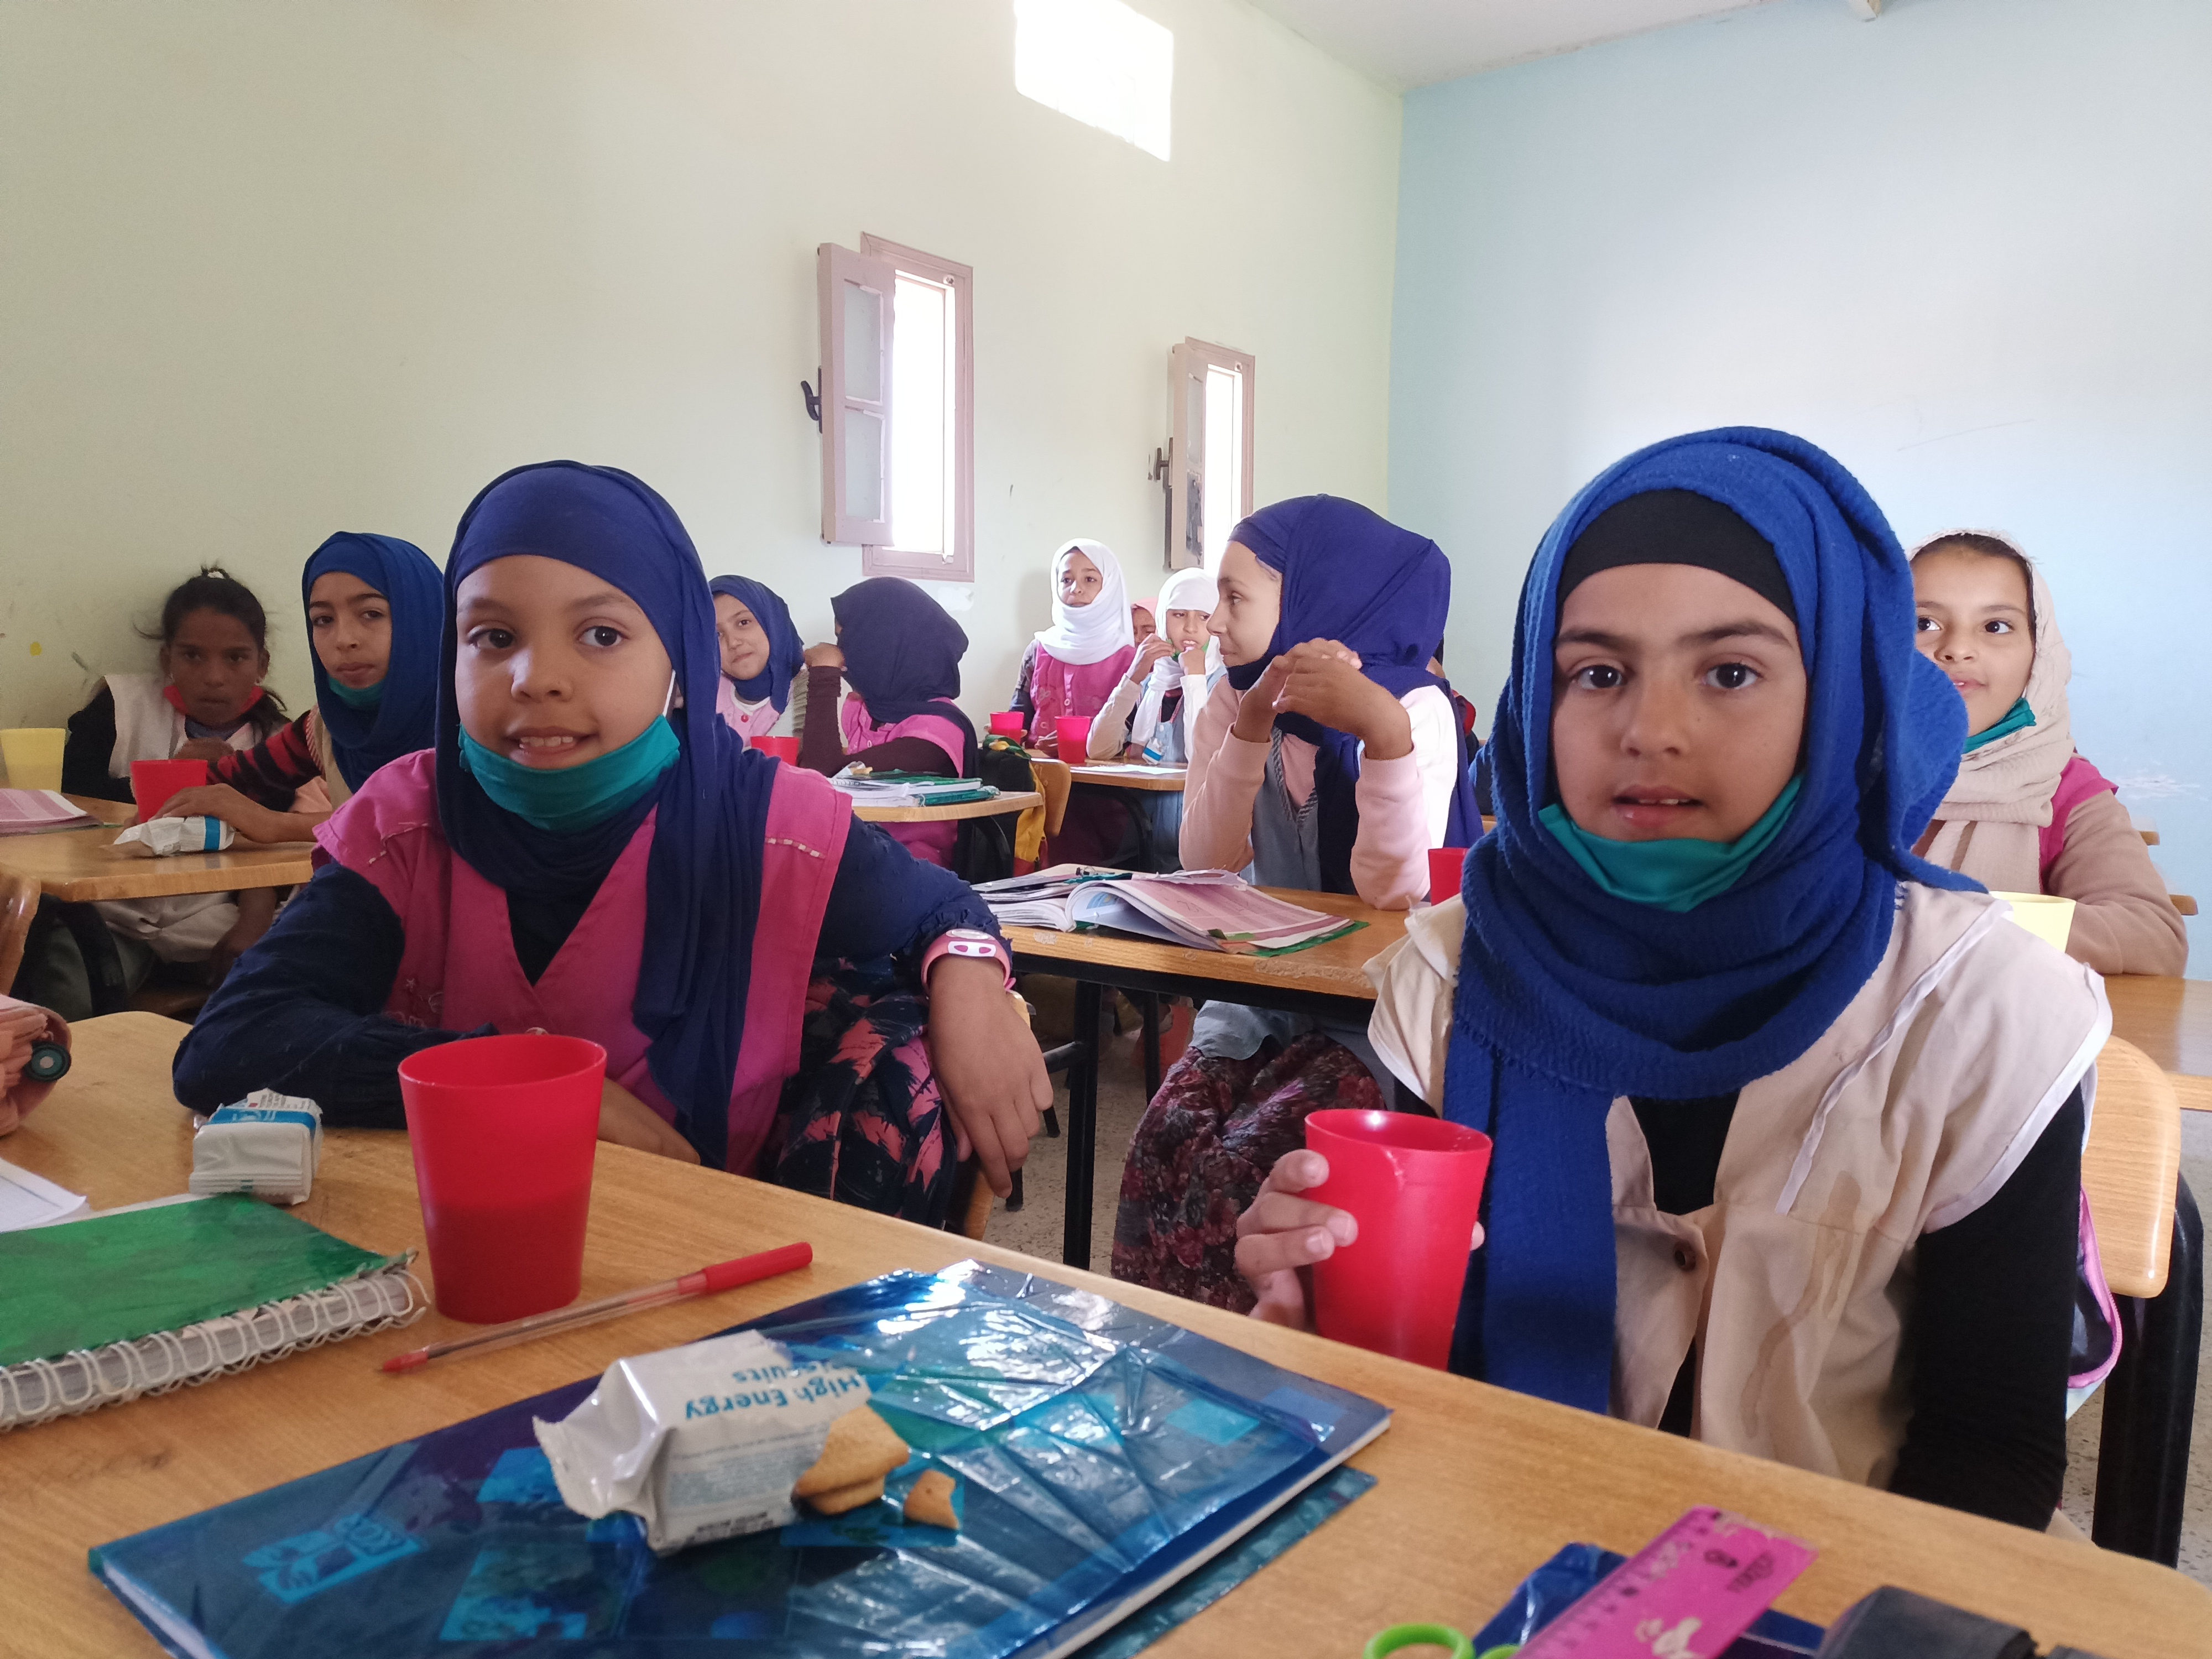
x=1102, y=1454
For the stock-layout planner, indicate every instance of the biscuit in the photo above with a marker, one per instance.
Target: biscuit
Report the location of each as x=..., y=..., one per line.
x=861, y=1447
x=930, y=1503
x=836, y=1502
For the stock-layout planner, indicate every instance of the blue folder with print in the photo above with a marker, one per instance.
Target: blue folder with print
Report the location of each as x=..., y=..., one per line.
x=1102, y=1454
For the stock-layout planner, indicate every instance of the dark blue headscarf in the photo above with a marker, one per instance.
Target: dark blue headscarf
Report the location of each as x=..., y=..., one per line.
x=1568, y=996
x=786, y=653
x=702, y=878
x=405, y=717
x=1352, y=576
x=902, y=654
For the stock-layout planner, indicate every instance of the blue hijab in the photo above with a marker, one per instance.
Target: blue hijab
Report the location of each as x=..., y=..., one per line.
x=902, y=654
x=1568, y=996
x=786, y=654
x=1352, y=576
x=405, y=717
x=702, y=877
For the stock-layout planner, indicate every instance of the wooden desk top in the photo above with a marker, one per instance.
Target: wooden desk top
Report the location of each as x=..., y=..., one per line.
x=107, y=811
x=1333, y=968
x=1130, y=776
x=76, y=866
x=1013, y=800
x=2169, y=1020
x=1478, y=1485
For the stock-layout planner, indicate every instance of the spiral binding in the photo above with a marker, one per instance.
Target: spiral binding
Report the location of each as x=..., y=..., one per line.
x=39, y=1390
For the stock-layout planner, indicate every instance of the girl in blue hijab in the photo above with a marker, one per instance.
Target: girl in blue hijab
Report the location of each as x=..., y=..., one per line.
x=760, y=653
x=1330, y=761
x=1787, y=1122
x=374, y=606
x=589, y=849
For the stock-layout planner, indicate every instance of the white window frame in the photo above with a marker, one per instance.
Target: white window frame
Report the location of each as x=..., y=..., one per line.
x=1186, y=460
x=837, y=269
x=956, y=562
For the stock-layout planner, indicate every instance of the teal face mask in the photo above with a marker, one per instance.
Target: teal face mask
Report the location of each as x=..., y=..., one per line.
x=1669, y=875
x=2017, y=718
x=367, y=697
x=572, y=798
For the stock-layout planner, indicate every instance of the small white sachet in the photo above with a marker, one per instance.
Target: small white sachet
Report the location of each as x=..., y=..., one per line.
x=269, y=1145
x=700, y=1441
x=164, y=837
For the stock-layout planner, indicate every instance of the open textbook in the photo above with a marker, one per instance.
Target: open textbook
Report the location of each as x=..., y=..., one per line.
x=1205, y=910
x=869, y=788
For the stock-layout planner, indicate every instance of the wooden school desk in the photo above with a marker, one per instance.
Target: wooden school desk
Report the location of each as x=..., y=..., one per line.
x=2169, y=1020
x=1130, y=774
x=1325, y=979
x=1477, y=1487
x=80, y=865
x=1012, y=800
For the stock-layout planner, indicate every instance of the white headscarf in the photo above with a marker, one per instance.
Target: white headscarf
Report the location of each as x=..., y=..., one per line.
x=1084, y=634
x=1987, y=826
x=1187, y=590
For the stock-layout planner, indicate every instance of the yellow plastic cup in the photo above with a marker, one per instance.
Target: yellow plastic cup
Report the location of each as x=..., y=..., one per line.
x=33, y=755
x=2046, y=915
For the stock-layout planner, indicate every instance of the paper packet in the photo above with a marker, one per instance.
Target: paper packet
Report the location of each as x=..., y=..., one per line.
x=269, y=1145
x=164, y=837
x=700, y=1441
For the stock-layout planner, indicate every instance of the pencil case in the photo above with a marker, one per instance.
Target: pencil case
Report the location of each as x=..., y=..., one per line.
x=268, y=1145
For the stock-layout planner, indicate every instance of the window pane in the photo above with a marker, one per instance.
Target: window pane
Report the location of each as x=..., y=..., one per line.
x=864, y=344
x=1100, y=61
x=864, y=465
x=1224, y=456
x=922, y=424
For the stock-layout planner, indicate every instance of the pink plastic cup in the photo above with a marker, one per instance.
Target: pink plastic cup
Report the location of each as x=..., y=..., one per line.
x=152, y=783
x=1074, y=733
x=1008, y=723
x=503, y=1130
x=1445, y=865
x=1414, y=1184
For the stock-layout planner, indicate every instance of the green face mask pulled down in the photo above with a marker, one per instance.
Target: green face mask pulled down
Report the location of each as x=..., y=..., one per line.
x=1669, y=875
x=567, y=799
x=368, y=696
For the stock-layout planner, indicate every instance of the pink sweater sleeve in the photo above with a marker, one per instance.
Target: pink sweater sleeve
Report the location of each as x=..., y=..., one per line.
x=1220, y=787
x=1390, y=857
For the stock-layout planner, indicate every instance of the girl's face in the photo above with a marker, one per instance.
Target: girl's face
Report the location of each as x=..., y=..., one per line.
x=1079, y=581
x=1678, y=704
x=555, y=667
x=215, y=664
x=1186, y=629
x=1974, y=625
x=1249, y=603
x=745, y=641
x=351, y=623
x=1140, y=622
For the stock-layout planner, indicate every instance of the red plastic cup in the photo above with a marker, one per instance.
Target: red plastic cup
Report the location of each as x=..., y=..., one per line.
x=784, y=749
x=1074, y=733
x=1445, y=865
x=503, y=1129
x=1008, y=723
x=1414, y=1184
x=152, y=783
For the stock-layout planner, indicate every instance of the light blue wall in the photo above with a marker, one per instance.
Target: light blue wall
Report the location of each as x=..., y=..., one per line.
x=1968, y=247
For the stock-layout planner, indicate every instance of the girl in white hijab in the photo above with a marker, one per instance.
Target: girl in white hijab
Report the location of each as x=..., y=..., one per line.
x=2027, y=814
x=1154, y=707
x=1070, y=667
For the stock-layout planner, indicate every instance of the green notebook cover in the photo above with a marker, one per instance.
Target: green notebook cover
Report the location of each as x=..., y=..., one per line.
x=116, y=1278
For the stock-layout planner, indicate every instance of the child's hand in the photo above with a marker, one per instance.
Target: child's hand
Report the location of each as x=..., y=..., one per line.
x=1256, y=715
x=1149, y=653
x=206, y=749
x=989, y=1069
x=219, y=801
x=1281, y=1236
x=1193, y=659
x=1323, y=681
x=629, y=1121
x=825, y=656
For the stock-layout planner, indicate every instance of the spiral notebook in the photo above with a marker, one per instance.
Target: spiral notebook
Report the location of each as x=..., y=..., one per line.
x=96, y=1311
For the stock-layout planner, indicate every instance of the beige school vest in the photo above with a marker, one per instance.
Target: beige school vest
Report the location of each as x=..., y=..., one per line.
x=1909, y=1113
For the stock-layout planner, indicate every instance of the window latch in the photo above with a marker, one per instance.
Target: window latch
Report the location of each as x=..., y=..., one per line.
x=813, y=401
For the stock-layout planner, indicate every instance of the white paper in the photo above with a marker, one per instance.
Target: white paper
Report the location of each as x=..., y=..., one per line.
x=30, y=1201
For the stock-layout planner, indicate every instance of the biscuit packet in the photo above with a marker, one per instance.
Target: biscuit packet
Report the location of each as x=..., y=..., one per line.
x=269, y=1145
x=164, y=838
x=702, y=1442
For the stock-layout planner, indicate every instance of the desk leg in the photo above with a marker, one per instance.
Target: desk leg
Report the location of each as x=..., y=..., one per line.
x=1148, y=1004
x=1082, y=1126
x=103, y=963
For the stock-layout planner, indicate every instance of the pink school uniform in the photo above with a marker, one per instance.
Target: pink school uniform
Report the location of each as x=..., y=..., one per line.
x=932, y=841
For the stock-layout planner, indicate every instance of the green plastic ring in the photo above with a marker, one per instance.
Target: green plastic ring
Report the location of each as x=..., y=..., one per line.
x=1413, y=1636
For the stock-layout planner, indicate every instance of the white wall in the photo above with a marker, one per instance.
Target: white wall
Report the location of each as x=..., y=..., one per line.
x=1967, y=248
x=275, y=268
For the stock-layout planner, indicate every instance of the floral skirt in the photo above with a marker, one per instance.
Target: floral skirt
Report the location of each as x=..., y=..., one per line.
x=862, y=1121
x=1205, y=1144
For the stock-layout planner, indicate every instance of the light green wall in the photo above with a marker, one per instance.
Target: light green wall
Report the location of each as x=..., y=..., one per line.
x=275, y=268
